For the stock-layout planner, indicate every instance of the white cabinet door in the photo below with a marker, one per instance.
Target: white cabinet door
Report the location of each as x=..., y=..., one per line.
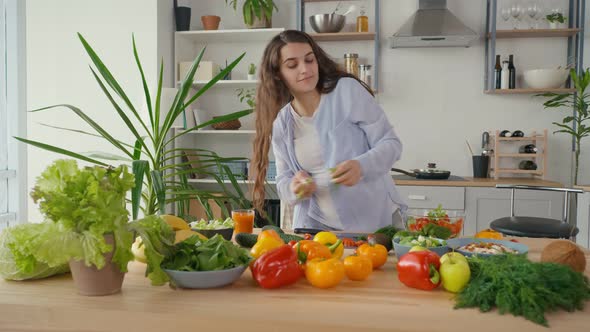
x=483, y=205
x=583, y=220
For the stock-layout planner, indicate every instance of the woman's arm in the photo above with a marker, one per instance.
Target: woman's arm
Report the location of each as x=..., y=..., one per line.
x=385, y=146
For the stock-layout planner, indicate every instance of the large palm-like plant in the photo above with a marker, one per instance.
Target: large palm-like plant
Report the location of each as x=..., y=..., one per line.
x=576, y=125
x=155, y=163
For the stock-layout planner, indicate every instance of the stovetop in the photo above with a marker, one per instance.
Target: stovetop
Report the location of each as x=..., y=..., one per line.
x=398, y=176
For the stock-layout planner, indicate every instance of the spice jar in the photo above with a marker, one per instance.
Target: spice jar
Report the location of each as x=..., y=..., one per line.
x=365, y=74
x=351, y=64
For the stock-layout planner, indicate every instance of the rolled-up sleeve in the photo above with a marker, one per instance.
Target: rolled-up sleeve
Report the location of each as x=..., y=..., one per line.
x=385, y=147
x=284, y=172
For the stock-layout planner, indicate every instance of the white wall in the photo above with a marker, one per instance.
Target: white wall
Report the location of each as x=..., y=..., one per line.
x=58, y=68
x=434, y=96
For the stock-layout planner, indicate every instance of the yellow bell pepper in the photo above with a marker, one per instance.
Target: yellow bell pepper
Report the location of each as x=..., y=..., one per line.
x=324, y=273
x=265, y=245
x=268, y=233
x=329, y=239
x=489, y=234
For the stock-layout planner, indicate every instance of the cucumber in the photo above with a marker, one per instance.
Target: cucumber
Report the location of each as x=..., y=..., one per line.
x=246, y=240
x=274, y=228
x=290, y=237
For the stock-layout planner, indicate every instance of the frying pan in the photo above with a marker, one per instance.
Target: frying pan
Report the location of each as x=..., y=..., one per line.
x=431, y=173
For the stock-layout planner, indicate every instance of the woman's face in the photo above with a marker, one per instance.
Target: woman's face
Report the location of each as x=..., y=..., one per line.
x=298, y=68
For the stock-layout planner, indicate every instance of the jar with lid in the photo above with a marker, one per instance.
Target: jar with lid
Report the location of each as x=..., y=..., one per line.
x=362, y=21
x=365, y=75
x=351, y=64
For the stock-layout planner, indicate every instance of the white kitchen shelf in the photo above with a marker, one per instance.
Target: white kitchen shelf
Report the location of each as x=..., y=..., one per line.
x=207, y=180
x=210, y=131
x=225, y=83
x=230, y=36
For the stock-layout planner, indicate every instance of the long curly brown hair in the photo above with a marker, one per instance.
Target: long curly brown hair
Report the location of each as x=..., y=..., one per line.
x=272, y=94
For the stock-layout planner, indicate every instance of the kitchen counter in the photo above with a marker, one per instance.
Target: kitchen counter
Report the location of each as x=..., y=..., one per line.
x=380, y=303
x=472, y=182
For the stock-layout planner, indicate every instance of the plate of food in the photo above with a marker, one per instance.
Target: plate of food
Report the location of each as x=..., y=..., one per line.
x=486, y=247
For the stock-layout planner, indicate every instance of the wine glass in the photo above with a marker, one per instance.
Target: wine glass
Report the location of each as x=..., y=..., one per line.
x=532, y=10
x=505, y=13
x=516, y=11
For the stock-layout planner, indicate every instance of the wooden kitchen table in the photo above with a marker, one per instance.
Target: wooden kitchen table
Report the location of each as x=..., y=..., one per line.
x=379, y=303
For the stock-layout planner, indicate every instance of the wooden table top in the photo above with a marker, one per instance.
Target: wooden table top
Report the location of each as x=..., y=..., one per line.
x=378, y=304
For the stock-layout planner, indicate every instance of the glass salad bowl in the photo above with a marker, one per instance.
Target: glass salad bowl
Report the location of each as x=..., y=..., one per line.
x=417, y=219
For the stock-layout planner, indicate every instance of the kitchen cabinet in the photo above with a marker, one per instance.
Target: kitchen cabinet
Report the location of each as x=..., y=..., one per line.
x=483, y=205
x=583, y=217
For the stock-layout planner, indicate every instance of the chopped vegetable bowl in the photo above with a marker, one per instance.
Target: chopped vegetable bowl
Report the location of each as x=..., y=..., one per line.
x=212, y=224
x=452, y=220
x=403, y=244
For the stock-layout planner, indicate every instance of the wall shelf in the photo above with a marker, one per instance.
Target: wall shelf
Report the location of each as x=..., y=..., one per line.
x=232, y=35
x=343, y=36
x=225, y=83
x=535, y=33
x=208, y=180
x=233, y=132
x=527, y=91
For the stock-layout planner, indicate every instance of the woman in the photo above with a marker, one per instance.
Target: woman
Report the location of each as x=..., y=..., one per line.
x=332, y=143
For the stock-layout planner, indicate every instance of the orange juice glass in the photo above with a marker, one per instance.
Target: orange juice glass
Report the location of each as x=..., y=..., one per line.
x=243, y=221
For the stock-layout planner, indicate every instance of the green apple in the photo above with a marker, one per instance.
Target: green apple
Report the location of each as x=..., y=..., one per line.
x=418, y=248
x=452, y=255
x=455, y=274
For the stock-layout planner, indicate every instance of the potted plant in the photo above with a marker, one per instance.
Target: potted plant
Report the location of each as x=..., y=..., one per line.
x=554, y=19
x=151, y=156
x=257, y=13
x=210, y=22
x=576, y=125
x=252, y=72
x=247, y=95
x=88, y=205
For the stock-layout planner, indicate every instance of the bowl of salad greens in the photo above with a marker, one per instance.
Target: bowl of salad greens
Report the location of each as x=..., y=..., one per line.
x=197, y=263
x=402, y=244
x=209, y=228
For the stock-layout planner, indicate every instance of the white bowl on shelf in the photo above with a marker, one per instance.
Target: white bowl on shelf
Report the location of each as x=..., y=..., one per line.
x=546, y=78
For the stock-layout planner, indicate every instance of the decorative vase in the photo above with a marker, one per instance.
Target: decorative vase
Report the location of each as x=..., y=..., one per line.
x=182, y=16
x=260, y=23
x=553, y=25
x=251, y=77
x=91, y=281
x=210, y=22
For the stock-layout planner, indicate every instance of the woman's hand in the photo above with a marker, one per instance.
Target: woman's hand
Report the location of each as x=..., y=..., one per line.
x=347, y=173
x=302, y=185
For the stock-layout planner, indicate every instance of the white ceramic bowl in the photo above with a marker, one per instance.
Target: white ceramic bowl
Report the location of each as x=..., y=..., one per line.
x=205, y=279
x=545, y=78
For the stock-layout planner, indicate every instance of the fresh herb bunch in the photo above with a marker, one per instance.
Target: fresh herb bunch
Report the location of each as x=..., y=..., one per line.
x=518, y=286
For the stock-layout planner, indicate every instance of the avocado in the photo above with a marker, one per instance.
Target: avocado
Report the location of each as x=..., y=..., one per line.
x=383, y=240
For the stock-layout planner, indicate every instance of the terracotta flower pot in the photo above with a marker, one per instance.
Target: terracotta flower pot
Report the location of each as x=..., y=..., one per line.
x=91, y=281
x=210, y=22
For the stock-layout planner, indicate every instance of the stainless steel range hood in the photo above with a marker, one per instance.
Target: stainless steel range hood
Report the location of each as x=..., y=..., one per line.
x=433, y=25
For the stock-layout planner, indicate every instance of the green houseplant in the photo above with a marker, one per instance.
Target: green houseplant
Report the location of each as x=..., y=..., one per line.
x=577, y=124
x=252, y=72
x=155, y=163
x=555, y=18
x=257, y=13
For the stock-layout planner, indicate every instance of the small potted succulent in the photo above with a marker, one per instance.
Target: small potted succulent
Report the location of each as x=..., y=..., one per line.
x=252, y=72
x=555, y=19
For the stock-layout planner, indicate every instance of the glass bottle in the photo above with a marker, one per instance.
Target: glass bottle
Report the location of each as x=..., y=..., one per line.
x=529, y=148
x=351, y=64
x=505, y=133
x=511, y=72
x=527, y=165
x=505, y=75
x=498, y=73
x=362, y=21
x=365, y=75
x=518, y=133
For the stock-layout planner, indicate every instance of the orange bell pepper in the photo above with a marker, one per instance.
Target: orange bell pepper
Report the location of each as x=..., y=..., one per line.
x=324, y=273
x=308, y=250
x=328, y=239
x=489, y=234
x=377, y=253
x=357, y=267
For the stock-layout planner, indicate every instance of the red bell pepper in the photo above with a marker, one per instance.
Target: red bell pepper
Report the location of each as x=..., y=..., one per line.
x=276, y=268
x=419, y=269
